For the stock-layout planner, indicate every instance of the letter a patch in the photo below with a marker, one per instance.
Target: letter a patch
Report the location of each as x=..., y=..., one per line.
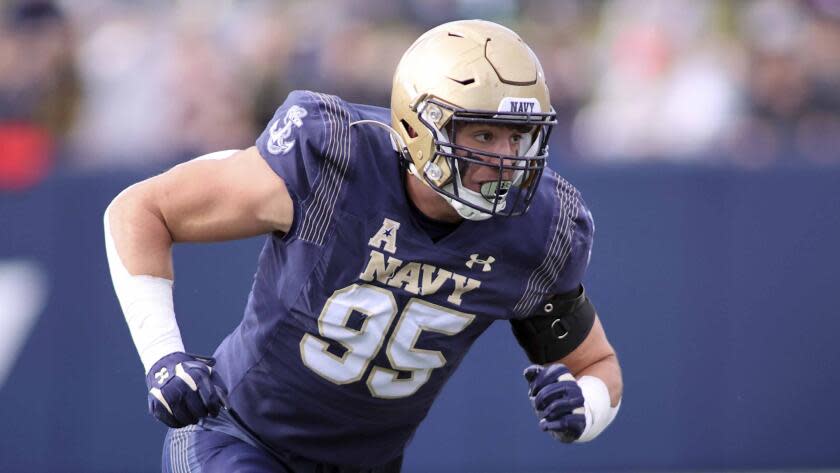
x=387, y=234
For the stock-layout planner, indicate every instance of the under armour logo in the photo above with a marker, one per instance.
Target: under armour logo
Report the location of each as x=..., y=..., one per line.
x=474, y=259
x=278, y=136
x=162, y=375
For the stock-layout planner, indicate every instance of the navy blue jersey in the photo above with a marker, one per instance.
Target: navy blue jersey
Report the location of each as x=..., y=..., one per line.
x=357, y=317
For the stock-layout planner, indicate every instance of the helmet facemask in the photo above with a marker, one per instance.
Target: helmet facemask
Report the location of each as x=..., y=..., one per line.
x=517, y=176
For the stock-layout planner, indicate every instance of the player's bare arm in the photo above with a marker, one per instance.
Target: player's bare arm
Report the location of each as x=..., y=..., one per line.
x=200, y=200
x=222, y=196
x=596, y=357
x=575, y=384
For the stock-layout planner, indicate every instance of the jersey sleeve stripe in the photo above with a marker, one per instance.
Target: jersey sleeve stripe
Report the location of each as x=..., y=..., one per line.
x=320, y=207
x=316, y=207
x=538, y=278
x=337, y=167
x=542, y=278
x=555, y=262
x=561, y=248
x=343, y=161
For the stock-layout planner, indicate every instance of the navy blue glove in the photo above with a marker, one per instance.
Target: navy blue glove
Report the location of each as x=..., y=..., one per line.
x=183, y=389
x=558, y=401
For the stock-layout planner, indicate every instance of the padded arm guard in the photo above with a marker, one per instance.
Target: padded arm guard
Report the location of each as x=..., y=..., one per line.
x=557, y=328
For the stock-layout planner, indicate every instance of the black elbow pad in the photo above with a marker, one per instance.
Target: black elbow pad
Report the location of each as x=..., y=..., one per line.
x=559, y=325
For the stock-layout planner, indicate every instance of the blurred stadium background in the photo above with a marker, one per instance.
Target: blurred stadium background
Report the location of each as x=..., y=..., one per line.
x=704, y=134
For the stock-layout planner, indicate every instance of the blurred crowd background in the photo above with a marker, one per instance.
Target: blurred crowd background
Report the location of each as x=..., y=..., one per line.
x=116, y=84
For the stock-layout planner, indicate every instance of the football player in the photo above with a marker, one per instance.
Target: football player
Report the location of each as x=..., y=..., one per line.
x=394, y=239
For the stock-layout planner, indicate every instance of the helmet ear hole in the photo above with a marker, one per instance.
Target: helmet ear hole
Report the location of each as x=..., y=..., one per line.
x=408, y=129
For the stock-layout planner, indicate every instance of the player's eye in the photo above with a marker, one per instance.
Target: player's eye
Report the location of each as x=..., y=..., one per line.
x=483, y=136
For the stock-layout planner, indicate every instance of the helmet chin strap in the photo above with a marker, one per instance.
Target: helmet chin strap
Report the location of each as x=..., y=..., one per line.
x=466, y=212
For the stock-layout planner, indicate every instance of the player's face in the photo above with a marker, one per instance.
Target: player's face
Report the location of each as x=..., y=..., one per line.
x=496, y=139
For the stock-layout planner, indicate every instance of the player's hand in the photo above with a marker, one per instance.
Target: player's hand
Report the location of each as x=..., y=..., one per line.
x=183, y=389
x=558, y=401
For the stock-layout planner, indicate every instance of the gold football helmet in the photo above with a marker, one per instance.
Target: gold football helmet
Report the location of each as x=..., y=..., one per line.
x=463, y=72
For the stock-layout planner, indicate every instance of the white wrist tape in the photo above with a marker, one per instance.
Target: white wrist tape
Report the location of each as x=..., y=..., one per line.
x=146, y=302
x=599, y=412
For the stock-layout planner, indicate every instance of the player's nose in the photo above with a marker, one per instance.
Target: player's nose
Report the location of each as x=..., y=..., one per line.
x=497, y=164
x=507, y=173
x=504, y=146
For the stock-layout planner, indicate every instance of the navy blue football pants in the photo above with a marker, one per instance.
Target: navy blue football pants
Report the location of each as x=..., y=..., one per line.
x=196, y=449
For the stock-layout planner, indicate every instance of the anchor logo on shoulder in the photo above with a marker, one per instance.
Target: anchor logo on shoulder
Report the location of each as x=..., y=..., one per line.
x=278, y=136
